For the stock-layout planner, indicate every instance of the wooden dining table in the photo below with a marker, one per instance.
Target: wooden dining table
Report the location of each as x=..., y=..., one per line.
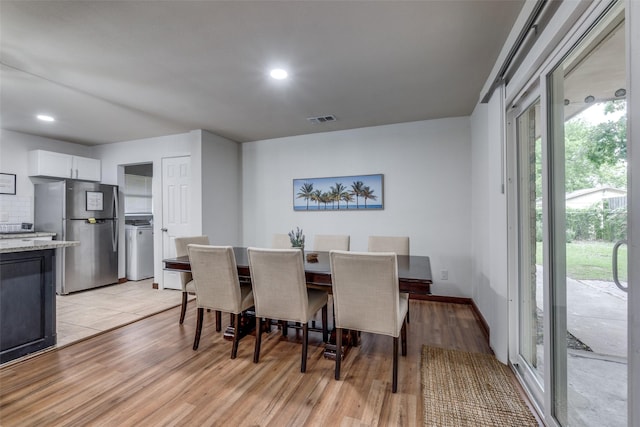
x=414, y=274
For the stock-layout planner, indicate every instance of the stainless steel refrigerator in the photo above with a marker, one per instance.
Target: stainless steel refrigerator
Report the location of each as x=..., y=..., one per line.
x=86, y=212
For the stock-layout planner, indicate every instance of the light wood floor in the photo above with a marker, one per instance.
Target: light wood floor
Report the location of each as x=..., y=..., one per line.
x=146, y=373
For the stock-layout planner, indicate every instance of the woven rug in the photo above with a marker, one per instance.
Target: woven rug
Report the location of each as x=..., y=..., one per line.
x=469, y=389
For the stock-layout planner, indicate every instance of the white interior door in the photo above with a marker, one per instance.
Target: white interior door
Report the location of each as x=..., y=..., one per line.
x=176, y=199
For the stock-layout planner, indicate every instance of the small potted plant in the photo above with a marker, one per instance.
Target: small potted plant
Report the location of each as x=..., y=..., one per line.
x=297, y=238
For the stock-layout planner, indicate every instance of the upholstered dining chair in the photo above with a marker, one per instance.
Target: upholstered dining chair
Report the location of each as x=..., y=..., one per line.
x=397, y=244
x=186, y=279
x=218, y=287
x=366, y=298
x=280, y=241
x=280, y=292
x=328, y=242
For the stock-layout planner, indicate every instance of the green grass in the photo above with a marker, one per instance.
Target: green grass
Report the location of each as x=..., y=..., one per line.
x=591, y=260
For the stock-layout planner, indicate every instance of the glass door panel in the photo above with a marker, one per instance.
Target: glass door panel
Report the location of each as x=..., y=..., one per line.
x=589, y=215
x=530, y=280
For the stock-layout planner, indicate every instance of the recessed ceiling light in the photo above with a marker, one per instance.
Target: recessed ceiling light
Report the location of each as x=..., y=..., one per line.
x=279, y=74
x=45, y=118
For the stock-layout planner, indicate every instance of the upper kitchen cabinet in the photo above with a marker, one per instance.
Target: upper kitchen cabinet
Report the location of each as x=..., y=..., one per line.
x=58, y=165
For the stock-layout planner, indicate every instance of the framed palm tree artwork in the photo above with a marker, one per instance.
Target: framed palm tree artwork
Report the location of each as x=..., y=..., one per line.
x=339, y=193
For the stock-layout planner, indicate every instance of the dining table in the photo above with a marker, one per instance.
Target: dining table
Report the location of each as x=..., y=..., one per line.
x=414, y=278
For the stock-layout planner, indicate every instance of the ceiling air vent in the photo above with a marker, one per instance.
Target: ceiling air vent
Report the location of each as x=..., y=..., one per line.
x=322, y=119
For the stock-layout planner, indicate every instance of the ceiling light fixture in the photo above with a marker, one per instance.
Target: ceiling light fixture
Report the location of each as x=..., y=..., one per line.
x=45, y=118
x=589, y=99
x=279, y=74
x=620, y=92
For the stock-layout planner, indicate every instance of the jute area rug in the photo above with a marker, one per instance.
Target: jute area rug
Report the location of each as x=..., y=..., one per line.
x=469, y=389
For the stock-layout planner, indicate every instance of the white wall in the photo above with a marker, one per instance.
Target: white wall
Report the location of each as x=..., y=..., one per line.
x=14, y=159
x=150, y=150
x=215, y=184
x=221, y=189
x=427, y=190
x=489, y=229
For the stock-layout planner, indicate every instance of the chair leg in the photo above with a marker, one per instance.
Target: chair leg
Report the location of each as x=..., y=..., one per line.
x=196, y=340
x=218, y=320
x=403, y=336
x=305, y=345
x=325, y=327
x=285, y=327
x=236, y=335
x=256, y=351
x=183, y=309
x=408, y=305
x=338, y=352
x=394, y=386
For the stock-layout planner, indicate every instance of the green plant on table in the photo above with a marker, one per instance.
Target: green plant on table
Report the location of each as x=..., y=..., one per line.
x=297, y=238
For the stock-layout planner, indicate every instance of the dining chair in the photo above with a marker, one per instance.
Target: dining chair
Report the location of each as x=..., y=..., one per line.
x=280, y=241
x=280, y=292
x=397, y=244
x=186, y=279
x=366, y=298
x=218, y=287
x=327, y=242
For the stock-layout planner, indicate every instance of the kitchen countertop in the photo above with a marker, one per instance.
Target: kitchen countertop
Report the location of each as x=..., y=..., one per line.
x=25, y=235
x=23, y=245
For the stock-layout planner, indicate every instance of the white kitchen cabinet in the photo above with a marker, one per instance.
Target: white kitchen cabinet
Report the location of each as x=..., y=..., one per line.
x=59, y=165
x=87, y=169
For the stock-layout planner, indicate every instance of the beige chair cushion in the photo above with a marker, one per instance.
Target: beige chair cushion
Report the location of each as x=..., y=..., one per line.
x=366, y=295
x=190, y=287
x=326, y=242
x=398, y=245
x=281, y=241
x=215, y=275
x=181, y=250
x=279, y=285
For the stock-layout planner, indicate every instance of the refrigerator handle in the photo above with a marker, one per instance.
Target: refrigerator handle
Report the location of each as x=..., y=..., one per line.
x=115, y=202
x=115, y=235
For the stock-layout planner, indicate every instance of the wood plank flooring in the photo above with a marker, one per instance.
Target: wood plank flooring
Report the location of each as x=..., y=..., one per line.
x=146, y=374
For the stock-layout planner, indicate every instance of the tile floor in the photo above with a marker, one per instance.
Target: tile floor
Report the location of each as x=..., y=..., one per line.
x=83, y=314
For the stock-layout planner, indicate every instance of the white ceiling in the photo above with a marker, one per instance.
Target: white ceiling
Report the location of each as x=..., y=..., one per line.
x=119, y=71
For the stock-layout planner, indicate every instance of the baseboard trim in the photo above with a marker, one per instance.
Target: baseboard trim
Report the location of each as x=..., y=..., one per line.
x=442, y=298
x=122, y=280
x=483, y=322
x=459, y=300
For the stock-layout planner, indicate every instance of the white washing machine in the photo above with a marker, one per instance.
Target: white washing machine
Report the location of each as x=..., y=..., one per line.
x=139, y=251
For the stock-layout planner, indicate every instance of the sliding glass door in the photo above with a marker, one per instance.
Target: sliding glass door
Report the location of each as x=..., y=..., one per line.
x=588, y=189
x=528, y=152
x=569, y=137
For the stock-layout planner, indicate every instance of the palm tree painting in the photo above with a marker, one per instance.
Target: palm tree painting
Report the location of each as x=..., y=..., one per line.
x=367, y=193
x=356, y=190
x=306, y=192
x=342, y=193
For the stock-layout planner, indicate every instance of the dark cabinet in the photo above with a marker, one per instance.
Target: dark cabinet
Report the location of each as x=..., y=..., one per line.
x=27, y=303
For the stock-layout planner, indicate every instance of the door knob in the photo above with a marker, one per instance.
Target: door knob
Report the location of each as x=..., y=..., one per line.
x=164, y=230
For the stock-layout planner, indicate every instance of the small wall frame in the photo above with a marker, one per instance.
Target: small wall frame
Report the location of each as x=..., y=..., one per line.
x=8, y=183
